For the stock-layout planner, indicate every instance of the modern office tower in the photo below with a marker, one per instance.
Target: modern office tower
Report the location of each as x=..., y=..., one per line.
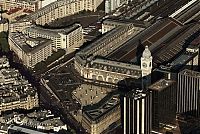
x=188, y=92
x=137, y=112
x=163, y=102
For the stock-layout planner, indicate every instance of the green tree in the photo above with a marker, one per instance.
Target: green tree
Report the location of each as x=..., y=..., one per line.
x=4, y=46
x=55, y=56
x=40, y=66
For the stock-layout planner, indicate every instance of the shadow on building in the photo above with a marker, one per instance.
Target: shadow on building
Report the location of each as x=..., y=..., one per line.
x=135, y=103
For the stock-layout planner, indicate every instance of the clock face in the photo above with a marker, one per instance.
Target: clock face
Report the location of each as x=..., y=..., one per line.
x=144, y=65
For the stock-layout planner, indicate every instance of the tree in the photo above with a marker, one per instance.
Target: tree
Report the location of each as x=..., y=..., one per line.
x=55, y=56
x=40, y=66
x=4, y=46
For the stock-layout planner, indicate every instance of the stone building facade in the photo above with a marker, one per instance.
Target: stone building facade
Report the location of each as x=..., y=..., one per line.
x=90, y=65
x=97, y=120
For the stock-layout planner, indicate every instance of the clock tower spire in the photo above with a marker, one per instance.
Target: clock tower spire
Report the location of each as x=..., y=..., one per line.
x=146, y=62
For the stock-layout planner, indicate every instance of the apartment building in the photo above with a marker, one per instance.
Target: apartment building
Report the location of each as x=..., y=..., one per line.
x=3, y=25
x=68, y=38
x=32, y=120
x=30, y=50
x=60, y=9
x=15, y=91
x=4, y=62
x=53, y=11
x=25, y=4
x=98, y=118
x=44, y=3
x=18, y=26
x=14, y=99
x=12, y=14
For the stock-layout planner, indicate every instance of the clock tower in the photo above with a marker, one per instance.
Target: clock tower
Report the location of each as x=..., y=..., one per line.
x=146, y=62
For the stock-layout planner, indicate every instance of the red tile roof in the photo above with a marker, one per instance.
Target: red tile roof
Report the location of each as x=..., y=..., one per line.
x=27, y=11
x=11, y=11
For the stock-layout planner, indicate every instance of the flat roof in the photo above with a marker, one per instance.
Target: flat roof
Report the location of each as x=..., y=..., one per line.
x=181, y=59
x=190, y=73
x=161, y=84
x=90, y=94
x=20, y=39
x=137, y=93
x=24, y=130
x=98, y=110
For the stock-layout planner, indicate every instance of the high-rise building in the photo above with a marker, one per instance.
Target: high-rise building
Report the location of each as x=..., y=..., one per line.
x=137, y=111
x=163, y=102
x=188, y=99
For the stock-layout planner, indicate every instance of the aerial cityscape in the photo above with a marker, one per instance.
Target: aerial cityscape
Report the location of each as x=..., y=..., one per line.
x=99, y=66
